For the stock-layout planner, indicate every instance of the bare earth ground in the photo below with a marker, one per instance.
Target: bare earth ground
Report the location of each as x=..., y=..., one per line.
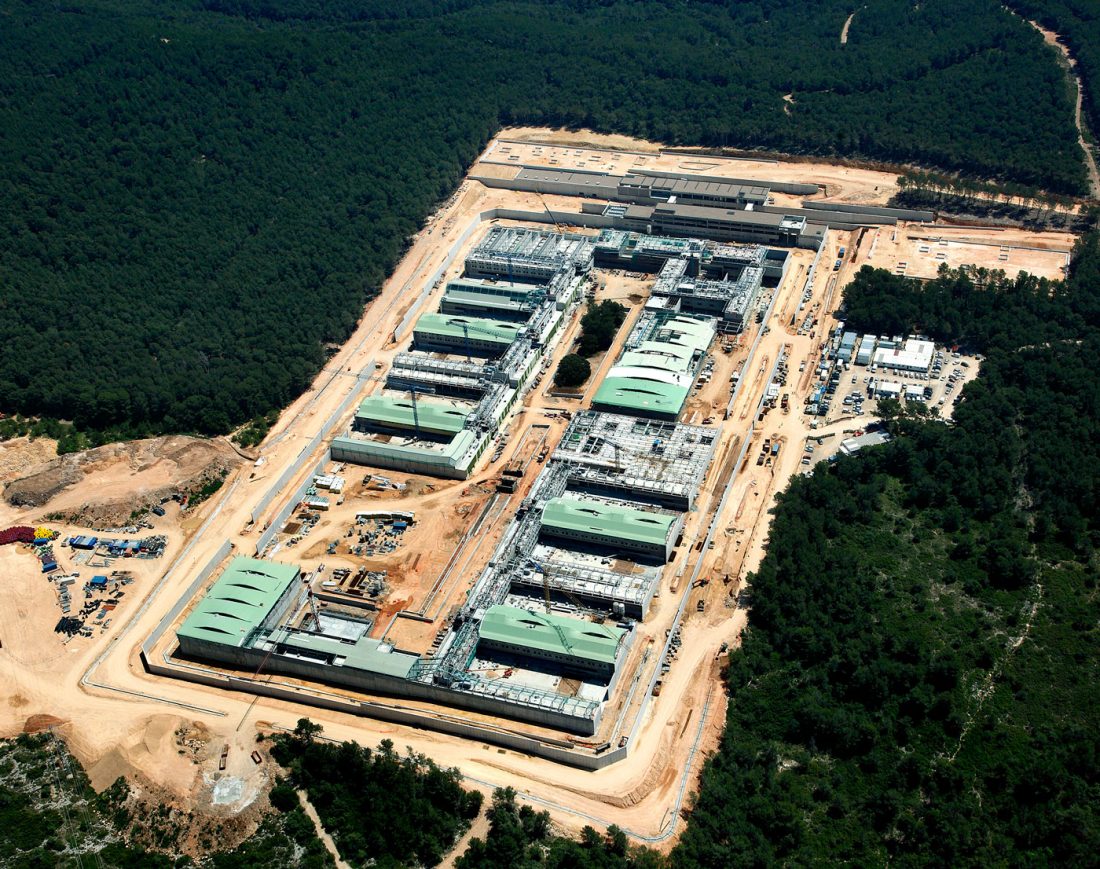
x=120, y=720
x=101, y=487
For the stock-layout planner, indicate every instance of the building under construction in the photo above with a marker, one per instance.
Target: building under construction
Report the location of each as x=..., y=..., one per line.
x=518, y=253
x=649, y=460
x=447, y=394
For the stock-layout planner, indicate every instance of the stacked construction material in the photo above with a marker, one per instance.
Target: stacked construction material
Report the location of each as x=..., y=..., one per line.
x=17, y=534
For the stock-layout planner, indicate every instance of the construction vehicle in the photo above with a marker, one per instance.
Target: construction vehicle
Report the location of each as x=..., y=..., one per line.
x=225, y=755
x=701, y=606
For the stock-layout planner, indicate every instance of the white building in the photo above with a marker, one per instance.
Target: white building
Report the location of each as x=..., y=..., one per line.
x=914, y=355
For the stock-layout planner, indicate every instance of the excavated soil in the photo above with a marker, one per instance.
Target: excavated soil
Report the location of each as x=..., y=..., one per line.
x=105, y=485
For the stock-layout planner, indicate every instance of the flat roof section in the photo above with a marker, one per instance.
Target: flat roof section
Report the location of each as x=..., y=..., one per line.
x=239, y=601
x=451, y=326
x=549, y=633
x=434, y=417
x=607, y=520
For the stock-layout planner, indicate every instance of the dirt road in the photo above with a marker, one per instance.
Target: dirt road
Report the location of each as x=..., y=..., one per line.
x=1058, y=43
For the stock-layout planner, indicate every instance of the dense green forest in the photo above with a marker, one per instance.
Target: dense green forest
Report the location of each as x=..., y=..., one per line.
x=381, y=808
x=49, y=818
x=1078, y=23
x=917, y=685
x=520, y=838
x=199, y=194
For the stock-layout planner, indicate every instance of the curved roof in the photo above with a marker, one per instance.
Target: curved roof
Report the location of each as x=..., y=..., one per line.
x=657, y=375
x=636, y=394
x=239, y=601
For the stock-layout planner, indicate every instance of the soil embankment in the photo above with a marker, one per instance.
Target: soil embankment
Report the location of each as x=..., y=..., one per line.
x=105, y=485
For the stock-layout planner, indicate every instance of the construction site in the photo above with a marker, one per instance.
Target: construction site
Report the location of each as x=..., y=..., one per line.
x=435, y=545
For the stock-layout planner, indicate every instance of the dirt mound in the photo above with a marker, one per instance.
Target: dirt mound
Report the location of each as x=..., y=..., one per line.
x=103, y=486
x=40, y=722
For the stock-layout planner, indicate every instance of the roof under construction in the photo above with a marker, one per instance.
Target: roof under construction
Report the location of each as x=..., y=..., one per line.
x=551, y=634
x=658, y=461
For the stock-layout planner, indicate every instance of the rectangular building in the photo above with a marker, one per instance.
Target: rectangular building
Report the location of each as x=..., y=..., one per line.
x=719, y=224
x=612, y=526
x=422, y=417
x=519, y=253
x=915, y=355
x=571, y=645
x=475, y=336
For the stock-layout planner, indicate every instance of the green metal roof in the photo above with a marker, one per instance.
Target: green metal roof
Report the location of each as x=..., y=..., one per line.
x=456, y=454
x=434, y=417
x=551, y=633
x=636, y=394
x=238, y=601
x=607, y=520
x=450, y=326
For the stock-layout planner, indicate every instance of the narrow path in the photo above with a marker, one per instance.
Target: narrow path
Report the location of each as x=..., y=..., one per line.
x=479, y=828
x=844, y=29
x=1055, y=41
x=322, y=834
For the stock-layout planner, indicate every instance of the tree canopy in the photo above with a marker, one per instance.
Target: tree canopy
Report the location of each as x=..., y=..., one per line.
x=199, y=195
x=915, y=685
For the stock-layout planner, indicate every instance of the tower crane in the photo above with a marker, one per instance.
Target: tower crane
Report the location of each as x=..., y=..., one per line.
x=413, y=390
x=467, y=327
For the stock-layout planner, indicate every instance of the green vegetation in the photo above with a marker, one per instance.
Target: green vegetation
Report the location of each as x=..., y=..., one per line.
x=49, y=818
x=199, y=194
x=381, y=808
x=519, y=838
x=599, y=325
x=573, y=370
x=252, y=434
x=917, y=683
x=1078, y=23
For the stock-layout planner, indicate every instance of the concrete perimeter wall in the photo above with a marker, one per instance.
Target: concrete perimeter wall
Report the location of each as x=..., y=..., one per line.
x=559, y=752
x=429, y=284
x=880, y=210
x=792, y=187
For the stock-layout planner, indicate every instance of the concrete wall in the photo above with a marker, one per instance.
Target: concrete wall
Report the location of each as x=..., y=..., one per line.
x=555, y=750
x=782, y=186
x=883, y=211
x=288, y=507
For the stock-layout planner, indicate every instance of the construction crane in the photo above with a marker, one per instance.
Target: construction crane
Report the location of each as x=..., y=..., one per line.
x=549, y=213
x=572, y=597
x=413, y=390
x=468, y=327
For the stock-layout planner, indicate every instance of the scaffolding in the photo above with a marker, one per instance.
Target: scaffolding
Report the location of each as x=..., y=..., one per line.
x=661, y=462
x=517, y=252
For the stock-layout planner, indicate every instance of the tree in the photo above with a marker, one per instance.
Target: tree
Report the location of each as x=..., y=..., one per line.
x=573, y=370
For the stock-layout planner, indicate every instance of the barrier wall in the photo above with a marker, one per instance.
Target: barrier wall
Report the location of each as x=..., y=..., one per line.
x=397, y=715
x=569, y=218
x=881, y=210
x=314, y=443
x=184, y=599
x=288, y=508
x=782, y=186
x=429, y=284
